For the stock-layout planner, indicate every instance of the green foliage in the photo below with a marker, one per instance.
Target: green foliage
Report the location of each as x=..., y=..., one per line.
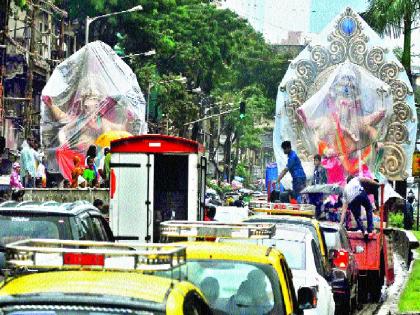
x=396, y=220
x=215, y=49
x=242, y=171
x=395, y=17
x=221, y=190
x=417, y=96
x=409, y=301
x=398, y=52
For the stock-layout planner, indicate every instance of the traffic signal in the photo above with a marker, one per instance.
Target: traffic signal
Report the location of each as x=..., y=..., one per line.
x=416, y=164
x=242, y=110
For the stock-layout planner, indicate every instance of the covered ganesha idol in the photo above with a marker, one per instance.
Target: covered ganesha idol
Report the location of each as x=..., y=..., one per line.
x=347, y=117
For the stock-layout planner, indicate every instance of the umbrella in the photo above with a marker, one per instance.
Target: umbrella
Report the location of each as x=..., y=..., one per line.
x=104, y=140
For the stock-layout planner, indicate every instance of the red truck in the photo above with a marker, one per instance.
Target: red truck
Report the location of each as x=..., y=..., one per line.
x=374, y=259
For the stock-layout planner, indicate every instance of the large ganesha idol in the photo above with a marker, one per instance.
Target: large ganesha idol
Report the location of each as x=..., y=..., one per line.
x=347, y=117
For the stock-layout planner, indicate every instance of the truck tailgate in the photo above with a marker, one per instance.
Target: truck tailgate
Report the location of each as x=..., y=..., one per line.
x=370, y=257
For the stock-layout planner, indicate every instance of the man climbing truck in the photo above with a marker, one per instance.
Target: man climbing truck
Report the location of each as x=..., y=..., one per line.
x=373, y=253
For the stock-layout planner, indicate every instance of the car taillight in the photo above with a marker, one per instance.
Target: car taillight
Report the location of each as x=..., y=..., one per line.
x=341, y=259
x=83, y=259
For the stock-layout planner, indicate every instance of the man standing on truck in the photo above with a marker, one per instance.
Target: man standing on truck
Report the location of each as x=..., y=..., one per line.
x=354, y=197
x=294, y=166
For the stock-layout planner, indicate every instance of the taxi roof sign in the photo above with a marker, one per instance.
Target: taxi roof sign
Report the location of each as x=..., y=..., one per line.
x=67, y=254
x=217, y=229
x=304, y=210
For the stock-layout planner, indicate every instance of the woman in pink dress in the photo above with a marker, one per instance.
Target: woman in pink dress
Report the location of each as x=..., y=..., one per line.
x=15, y=182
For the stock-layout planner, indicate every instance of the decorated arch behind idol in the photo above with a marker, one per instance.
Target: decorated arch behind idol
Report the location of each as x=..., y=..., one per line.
x=347, y=97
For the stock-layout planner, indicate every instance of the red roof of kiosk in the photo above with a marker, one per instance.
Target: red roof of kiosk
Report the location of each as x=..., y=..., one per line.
x=153, y=143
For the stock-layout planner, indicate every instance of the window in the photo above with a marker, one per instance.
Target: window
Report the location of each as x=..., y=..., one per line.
x=288, y=275
x=318, y=259
x=84, y=228
x=194, y=305
x=19, y=227
x=99, y=230
x=344, y=240
x=332, y=238
x=293, y=251
x=234, y=287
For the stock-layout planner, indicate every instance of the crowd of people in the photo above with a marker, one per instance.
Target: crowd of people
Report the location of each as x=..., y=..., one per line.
x=91, y=175
x=31, y=171
x=358, y=191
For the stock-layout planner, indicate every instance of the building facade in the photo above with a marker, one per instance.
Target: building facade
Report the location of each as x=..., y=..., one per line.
x=34, y=41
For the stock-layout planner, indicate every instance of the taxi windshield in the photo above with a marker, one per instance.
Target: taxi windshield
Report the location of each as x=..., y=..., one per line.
x=20, y=227
x=234, y=287
x=293, y=251
x=291, y=221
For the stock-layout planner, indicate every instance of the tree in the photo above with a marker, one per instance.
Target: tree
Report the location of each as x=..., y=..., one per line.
x=216, y=50
x=395, y=17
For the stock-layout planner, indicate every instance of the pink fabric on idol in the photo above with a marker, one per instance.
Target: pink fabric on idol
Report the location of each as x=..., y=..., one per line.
x=335, y=170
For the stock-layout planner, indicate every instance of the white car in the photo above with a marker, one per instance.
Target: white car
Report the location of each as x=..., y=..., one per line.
x=304, y=259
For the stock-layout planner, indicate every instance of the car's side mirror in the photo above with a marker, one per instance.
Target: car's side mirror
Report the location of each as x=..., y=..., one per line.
x=307, y=298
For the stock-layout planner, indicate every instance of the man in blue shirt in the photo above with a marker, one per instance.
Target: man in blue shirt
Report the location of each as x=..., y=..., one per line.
x=294, y=167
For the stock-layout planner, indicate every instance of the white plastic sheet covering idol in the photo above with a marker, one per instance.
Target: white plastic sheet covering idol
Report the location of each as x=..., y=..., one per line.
x=347, y=116
x=90, y=93
x=346, y=53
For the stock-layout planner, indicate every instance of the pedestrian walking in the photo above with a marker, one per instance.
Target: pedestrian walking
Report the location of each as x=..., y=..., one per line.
x=354, y=197
x=98, y=203
x=319, y=178
x=76, y=173
x=209, y=212
x=41, y=175
x=15, y=182
x=92, y=152
x=294, y=167
x=89, y=173
x=104, y=168
x=27, y=159
x=408, y=213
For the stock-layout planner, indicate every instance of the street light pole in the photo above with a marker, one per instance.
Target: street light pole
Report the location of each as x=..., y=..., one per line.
x=90, y=20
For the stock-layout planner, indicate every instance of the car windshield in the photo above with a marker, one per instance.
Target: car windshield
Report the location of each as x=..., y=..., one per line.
x=72, y=310
x=233, y=287
x=286, y=221
x=293, y=251
x=19, y=227
x=332, y=238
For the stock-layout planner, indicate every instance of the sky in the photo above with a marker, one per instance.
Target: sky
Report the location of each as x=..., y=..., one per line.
x=276, y=18
x=323, y=11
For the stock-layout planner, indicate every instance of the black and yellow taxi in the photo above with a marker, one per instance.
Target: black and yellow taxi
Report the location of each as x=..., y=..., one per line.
x=237, y=278
x=50, y=277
